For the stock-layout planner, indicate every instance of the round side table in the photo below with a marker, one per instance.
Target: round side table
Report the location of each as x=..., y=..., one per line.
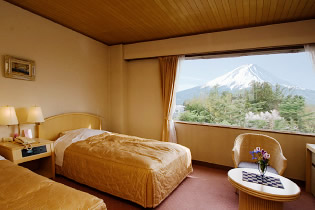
x=258, y=196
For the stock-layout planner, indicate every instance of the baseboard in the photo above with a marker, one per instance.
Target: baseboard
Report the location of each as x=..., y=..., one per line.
x=211, y=165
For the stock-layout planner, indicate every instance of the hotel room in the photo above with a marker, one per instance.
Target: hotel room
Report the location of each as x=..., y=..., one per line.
x=103, y=77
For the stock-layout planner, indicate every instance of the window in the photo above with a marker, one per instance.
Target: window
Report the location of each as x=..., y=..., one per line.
x=270, y=91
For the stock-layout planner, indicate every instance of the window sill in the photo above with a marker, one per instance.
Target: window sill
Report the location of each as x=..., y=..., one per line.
x=240, y=128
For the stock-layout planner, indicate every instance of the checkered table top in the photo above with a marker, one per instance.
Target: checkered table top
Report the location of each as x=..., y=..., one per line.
x=267, y=180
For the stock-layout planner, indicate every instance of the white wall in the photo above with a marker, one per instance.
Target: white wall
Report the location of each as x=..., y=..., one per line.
x=71, y=69
x=118, y=85
x=144, y=99
x=285, y=34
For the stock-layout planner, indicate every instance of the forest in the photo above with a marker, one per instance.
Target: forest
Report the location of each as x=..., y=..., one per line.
x=262, y=106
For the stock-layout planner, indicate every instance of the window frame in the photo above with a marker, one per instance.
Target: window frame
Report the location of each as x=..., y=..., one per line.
x=240, y=53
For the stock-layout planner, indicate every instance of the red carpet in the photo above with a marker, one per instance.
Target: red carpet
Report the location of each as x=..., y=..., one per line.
x=206, y=188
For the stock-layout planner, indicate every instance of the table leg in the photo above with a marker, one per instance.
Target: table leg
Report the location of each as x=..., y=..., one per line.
x=52, y=161
x=247, y=201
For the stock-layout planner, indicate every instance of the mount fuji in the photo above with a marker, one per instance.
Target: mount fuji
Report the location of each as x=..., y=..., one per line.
x=240, y=79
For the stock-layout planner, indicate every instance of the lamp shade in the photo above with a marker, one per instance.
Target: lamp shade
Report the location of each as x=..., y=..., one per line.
x=8, y=116
x=35, y=115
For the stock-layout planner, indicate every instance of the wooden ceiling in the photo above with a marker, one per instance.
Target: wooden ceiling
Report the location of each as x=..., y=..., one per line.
x=129, y=21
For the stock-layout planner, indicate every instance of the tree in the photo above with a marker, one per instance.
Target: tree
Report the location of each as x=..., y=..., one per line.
x=263, y=98
x=292, y=109
x=262, y=106
x=196, y=111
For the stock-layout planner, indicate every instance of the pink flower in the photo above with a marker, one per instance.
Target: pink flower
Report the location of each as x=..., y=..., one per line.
x=260, y=155
x=266, y=155
x=257, y=149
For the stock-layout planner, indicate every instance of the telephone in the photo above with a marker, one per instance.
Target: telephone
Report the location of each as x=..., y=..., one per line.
x=24, y=140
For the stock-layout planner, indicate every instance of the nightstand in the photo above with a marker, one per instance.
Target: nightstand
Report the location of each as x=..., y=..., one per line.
x=41, y=159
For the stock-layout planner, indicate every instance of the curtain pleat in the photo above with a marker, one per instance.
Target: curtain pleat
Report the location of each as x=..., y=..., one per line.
x=311, y=50
x=168, y=68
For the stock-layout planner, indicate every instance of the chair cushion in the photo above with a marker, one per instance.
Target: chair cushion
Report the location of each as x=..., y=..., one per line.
x=254, y=165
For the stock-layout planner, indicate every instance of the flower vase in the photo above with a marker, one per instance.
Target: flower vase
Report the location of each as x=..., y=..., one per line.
x=262, y=168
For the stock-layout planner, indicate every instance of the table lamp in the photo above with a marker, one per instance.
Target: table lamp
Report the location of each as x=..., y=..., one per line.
x=35, y=115
x=8, y=116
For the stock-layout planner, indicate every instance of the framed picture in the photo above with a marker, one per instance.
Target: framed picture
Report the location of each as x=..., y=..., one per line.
x=18, y=68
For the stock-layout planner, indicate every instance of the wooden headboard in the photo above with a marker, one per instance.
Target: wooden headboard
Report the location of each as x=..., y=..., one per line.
x=52, y=126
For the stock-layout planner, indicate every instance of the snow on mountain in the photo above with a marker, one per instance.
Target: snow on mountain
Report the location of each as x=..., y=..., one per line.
x=243, y=76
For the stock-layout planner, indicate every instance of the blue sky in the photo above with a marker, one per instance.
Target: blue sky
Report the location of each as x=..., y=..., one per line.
x=295, y=68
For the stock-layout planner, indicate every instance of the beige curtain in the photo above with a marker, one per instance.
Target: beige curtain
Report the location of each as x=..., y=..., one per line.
x=311, y=50
x=168, y=68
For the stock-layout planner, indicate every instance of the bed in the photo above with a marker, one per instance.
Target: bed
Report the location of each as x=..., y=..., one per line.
x=23, y=189
x=144, y=171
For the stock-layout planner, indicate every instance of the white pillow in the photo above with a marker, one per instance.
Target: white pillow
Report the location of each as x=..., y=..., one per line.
x=2, y=158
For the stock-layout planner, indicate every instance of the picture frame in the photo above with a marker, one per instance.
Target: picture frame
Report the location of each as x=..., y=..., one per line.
x=18, y=68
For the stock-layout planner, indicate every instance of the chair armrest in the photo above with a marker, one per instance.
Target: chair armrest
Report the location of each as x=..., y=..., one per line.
x=281, y=164
x=236, y=156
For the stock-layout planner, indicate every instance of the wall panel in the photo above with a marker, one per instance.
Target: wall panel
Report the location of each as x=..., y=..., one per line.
x=72, y=69
x=214, y=144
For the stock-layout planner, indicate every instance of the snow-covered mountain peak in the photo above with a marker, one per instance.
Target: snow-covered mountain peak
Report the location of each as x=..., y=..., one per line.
x=243, y=76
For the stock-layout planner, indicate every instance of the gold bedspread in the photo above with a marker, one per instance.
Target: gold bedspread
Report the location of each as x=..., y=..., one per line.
x=21, y=188
x=141, y=170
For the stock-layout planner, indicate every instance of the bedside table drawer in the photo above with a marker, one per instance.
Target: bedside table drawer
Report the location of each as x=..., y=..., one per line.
x=34, y=151
x=17, y=154
x=19, y=158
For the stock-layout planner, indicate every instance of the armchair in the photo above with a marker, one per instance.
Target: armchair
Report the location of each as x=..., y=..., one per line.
x=247, y=142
